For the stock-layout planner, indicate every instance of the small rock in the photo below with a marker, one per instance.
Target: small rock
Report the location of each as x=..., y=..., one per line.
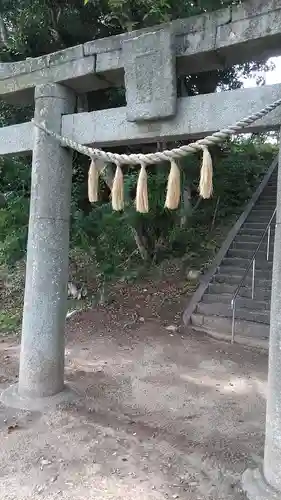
x=53, y=479
x=172, y=328
x=12, y=428
x=175, y=496
x=39, y=489
x=193, y=274
x=45, y=462
x=141, y=319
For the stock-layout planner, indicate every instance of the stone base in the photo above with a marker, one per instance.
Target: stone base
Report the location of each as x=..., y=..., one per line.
x=11, y=398
x=256, y=487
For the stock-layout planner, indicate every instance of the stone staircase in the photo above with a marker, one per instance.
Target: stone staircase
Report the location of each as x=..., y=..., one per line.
x=213, y=313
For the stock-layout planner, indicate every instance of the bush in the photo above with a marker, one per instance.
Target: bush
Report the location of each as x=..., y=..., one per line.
x=109, y=239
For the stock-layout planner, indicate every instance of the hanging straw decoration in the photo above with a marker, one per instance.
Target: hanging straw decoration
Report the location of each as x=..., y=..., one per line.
x=206, y=175
x=174, y=187
x=142, y=194
x=93, y=182
x=117, y=192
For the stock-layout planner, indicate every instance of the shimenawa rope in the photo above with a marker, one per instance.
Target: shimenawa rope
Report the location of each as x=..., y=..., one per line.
x=206, y=186
x=167, y=155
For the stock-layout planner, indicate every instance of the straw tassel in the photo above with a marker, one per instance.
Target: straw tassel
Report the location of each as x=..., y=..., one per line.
x=206, y=175
x=142, y=194
x=117, y=192
x=93, y=182
x=173, y=189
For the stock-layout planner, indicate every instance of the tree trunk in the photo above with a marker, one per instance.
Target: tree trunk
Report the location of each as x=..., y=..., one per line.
x=3, y=33
x=187, y=206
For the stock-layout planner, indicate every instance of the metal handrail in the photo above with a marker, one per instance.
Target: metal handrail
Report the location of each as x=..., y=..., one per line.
x=252, y=264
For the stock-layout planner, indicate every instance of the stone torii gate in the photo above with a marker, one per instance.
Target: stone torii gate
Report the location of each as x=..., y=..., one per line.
x=147, y=63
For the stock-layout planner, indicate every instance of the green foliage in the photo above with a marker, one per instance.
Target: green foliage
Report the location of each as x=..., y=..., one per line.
x=113, y=243
x=107, y=236
x=15, y=184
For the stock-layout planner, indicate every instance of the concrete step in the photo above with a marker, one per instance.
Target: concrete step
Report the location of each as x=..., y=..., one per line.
x=269, y=196
x=251, y=238
x=252, y=245
x=266, y=210
x=264, y=273
x=259, y=220
x=264, y=213
x=268, y=199
x=244, y=302
x=263, y=210
x=248, y=254
x=224, y=310
x=268, y=206
x=257, y=226
x=253, y=231
x=241, y=262
x=261, y=294
x=236, y=279
x=246, y=332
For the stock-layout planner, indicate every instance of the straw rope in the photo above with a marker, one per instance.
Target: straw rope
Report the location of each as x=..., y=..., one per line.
x=159, y=156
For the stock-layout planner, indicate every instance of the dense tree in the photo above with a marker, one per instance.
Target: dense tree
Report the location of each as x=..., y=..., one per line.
x=29, y=28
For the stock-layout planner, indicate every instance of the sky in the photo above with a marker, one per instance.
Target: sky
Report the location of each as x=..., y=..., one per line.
x=271, y=77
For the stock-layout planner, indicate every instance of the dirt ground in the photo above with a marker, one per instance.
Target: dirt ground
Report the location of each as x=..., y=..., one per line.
x=161, y=413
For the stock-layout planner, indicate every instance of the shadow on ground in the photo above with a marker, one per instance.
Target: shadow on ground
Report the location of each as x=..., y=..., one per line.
x=160, y=415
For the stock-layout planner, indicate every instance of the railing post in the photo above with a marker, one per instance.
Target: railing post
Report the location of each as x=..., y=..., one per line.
x=233, y=305
x=253, y=277
x=268, y=242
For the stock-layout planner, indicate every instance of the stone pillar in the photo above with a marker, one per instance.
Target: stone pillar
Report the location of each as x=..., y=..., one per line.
x=42, y=347
x=45, y=302
x=266, y=484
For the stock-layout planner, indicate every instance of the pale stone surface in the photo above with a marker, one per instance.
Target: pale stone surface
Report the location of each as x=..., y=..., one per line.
x=61, y=72
x=150, y=76
x=255, y=486
x=16, y=139
x=272, y=450
x=42, y=348
x=12, y=399
x=267, y=485
x=196, y=116
x=252, y=8
x=159, y=416
x=209, y=41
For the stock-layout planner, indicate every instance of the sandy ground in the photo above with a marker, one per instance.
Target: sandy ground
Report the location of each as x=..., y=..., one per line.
x=161, y=415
